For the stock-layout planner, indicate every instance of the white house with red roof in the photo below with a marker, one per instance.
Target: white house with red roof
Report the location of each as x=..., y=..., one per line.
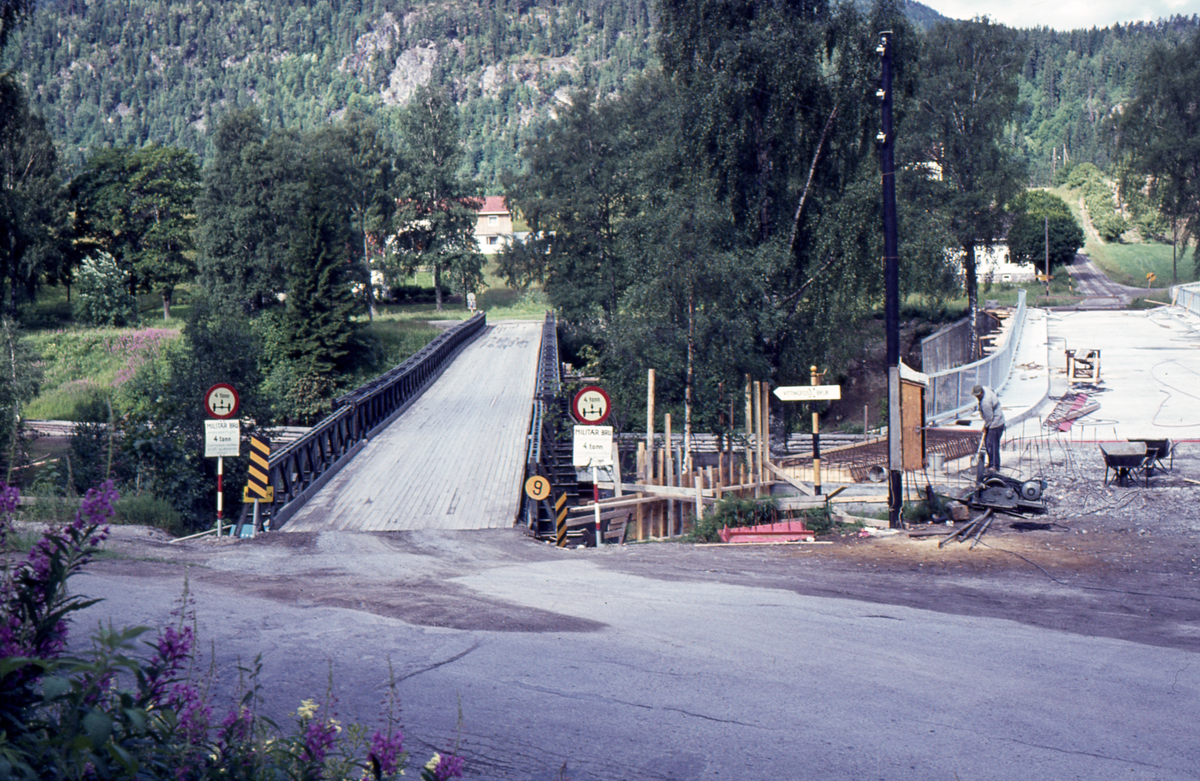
x=493, y=225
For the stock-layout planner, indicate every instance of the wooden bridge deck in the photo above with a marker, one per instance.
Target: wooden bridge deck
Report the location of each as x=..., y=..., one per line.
x=455, y=459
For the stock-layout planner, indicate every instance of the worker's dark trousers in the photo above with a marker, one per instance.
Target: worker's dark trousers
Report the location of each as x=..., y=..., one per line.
x=991, y=446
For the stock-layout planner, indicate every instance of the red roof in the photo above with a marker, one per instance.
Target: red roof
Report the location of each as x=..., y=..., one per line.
x=493, y=204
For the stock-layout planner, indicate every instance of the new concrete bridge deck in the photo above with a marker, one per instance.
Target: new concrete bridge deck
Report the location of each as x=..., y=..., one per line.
x=455, y=459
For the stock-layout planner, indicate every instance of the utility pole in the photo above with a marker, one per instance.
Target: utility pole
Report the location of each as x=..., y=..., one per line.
x=891, y=263
x=1046, y=218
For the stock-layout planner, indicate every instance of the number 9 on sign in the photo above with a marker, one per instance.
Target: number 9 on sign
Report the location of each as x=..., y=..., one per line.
x=537, y=488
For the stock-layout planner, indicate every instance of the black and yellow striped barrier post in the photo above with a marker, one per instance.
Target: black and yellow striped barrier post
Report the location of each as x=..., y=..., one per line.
x=258, y=484
x=560, y=524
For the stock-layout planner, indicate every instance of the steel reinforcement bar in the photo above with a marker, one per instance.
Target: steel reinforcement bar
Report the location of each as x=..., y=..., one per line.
x=300, y=469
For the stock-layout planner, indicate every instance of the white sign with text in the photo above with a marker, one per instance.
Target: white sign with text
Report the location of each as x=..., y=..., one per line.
x=222, y=438
x=593, y=446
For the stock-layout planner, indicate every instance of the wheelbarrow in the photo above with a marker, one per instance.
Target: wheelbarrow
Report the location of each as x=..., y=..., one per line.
x=1127, y=460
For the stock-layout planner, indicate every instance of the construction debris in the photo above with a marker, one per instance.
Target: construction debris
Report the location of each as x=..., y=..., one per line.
x=976, y=527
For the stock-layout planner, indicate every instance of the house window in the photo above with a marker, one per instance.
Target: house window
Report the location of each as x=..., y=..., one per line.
x=493, y=220
x=491, y=240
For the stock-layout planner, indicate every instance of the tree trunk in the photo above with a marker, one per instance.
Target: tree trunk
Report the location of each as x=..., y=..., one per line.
x=972, y=297
x=437, y=285
x=370, y=288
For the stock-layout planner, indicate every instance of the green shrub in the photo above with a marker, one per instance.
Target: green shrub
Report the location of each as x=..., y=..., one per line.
x=145, y=509
x=103, y=293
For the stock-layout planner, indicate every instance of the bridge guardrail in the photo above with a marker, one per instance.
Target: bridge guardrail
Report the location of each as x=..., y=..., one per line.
x=542, y=435
x=950, y=390
x=1187, y=296
x=300, y=469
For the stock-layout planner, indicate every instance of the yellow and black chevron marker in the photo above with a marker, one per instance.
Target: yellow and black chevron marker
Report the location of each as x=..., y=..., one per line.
x=259, y=485
x=560, y=509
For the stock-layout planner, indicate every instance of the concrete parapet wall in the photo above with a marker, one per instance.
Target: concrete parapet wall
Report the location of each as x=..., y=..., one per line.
x=1187, y=296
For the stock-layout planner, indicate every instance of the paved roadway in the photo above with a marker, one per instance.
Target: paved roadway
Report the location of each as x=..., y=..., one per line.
x=1098, y=290
x=455, y=459
x=591, y=666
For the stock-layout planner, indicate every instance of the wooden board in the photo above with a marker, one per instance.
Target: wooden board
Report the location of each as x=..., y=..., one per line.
x=455, y=459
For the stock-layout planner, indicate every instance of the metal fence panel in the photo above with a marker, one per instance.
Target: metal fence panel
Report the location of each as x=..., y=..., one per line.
x=949, y=392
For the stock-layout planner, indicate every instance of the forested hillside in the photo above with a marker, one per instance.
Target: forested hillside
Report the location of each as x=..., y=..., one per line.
x=127, y=72
x=1074, y=81
x=131, y=71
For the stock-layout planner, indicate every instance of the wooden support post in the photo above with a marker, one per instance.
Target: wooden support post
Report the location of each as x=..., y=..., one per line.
x=749, y=421
x=639, y=520
x=757, y=436
x=765, y=446
x=668, y=475
x=649, y=423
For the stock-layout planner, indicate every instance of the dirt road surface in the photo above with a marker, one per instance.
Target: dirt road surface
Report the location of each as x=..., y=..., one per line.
x=1067, y=643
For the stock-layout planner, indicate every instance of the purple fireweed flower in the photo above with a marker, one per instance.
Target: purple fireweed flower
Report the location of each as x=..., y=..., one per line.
x=193, y=712
x=449, y=766
x=235, y=727
x=385, y=752
x=171, y=653
x=319, y=737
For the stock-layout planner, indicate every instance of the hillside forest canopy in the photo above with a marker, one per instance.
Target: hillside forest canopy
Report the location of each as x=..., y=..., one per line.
x=700, y=181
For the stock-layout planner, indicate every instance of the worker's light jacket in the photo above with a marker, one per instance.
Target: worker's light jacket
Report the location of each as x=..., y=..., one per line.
x=989, y=409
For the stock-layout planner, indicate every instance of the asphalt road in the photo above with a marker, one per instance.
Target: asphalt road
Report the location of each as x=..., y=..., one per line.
x=1098, y=290
x=649, y=663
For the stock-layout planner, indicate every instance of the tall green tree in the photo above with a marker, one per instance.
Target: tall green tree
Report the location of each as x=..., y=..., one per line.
x=720, y=217
x=247, y=211
x=363, y=161
x=319, y=336
x=435, y=209
x=575, y=193
x=12, y=14
x=20, y=378
x=32, y=208
x=1159, y=139
x=139, y=206
x=1043, y=228
x=968, y=101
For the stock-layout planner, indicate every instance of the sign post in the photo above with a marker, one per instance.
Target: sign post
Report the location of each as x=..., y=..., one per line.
x=812, y=393
x=222, y=436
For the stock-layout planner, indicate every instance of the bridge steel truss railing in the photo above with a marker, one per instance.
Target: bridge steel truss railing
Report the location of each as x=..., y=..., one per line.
x=302, y=468
x=543, y=452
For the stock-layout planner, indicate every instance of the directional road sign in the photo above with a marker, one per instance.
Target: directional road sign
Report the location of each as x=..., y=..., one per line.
x=809, y=393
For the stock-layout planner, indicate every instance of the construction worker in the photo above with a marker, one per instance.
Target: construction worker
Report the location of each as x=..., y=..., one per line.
x=993, y=424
